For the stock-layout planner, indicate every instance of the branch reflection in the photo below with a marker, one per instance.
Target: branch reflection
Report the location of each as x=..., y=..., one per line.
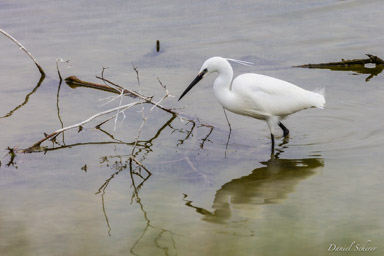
x=133, y=164
x=10, y=113
x=359, y=69
x=268, y=184
x=163, y=238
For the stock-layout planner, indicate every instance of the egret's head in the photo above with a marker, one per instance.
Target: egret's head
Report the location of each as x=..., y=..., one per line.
x=210, y=66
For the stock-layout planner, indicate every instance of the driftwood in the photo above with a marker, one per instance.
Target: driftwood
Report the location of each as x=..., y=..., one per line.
x=24, y=50
x=109, y=86
x=73, y=82
x=354, y=65
x=37, y=65
x=345, y=63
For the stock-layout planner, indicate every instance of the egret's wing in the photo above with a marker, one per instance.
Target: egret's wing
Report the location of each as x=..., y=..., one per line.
x=270, y=96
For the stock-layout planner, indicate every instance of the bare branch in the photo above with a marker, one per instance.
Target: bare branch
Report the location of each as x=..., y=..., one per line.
x=55, y=133
x=343, y=63
x=74, y=82
x=24, y=49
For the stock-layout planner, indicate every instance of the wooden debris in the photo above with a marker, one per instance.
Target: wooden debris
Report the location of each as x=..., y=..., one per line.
x=344, y=63
x=73, y=82
x=24, y=50
x=354, y=65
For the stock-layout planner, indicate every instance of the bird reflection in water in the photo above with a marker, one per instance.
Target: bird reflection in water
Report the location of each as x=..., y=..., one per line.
x=268, y=184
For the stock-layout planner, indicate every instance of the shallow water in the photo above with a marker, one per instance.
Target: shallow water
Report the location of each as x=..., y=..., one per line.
x=205, y=195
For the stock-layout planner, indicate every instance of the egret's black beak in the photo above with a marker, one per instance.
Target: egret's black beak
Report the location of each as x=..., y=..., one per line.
x=194, y=82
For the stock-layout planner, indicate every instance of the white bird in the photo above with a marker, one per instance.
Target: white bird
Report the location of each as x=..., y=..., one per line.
x=258, y=96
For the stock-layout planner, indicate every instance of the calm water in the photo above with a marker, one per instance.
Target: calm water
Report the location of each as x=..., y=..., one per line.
x=205, y=196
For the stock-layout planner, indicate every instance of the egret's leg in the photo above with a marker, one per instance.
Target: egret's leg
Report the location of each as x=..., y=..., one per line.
x=285, y=130
x=230, y=130
x=271, y=121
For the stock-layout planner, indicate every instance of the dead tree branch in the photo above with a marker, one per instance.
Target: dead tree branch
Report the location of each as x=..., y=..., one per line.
x=354, y=65
x=371, y=59
x=74, y=82
x=55, y=133
x=24, y=50
x=117, y=89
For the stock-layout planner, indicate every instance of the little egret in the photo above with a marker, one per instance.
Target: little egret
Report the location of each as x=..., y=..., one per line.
x=258, y=96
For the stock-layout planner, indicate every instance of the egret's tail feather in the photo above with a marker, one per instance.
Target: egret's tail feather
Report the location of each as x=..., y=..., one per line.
x=319, y=99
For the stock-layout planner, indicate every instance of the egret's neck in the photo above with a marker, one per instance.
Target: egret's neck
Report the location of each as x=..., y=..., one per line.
x=223, y=83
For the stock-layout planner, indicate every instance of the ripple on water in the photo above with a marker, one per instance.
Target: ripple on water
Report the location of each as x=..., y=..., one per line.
x=342, y=129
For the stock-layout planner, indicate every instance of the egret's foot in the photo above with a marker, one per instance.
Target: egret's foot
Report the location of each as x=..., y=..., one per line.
x=285, y=129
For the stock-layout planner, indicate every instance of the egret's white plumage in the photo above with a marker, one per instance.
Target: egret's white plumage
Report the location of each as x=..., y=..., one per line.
x=258, y=96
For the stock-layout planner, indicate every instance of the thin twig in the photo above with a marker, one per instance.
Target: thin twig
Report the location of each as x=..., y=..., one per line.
x=55, y=133
x=59, y=60
x=24, y=49
x=166, y=95
x=118, y=110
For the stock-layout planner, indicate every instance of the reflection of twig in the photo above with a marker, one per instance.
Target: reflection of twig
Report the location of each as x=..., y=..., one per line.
x=102, y=190
x=121, y=166
x=188, y=134
x=162, y=231
x=24, y=50
x=141, y=165
x=26, y=98
x=105, y=212
x=58, y=70
x=137, y=73
x=57, y=104
x=47, y=149
x=206, y=137
x=11, y=152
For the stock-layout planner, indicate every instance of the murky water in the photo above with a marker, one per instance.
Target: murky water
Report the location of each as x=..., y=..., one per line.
x=205, y=196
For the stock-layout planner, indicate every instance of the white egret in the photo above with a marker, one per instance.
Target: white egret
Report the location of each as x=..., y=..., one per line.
x=258, y=96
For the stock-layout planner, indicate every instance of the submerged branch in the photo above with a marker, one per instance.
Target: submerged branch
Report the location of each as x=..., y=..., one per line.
x=24, y=50
x=74, y=82
x=344, y=63
x=354, y=65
